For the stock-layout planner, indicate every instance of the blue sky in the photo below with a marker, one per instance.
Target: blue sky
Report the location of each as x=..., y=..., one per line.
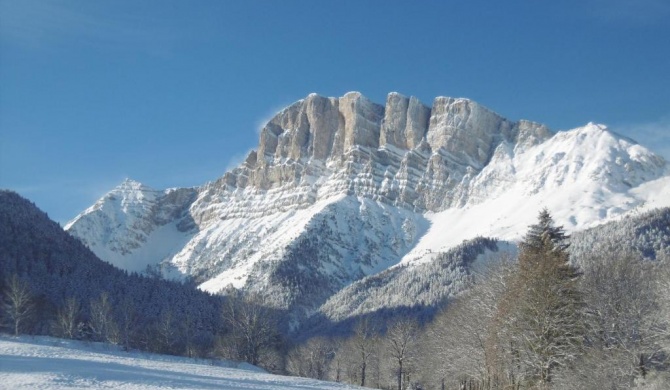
x=172, y=93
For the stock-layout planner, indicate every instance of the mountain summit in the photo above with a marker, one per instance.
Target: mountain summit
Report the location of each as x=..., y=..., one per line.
x=342, y=188
x=404, y=153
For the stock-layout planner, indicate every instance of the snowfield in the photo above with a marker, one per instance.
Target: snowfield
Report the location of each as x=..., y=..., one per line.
x=51, y=363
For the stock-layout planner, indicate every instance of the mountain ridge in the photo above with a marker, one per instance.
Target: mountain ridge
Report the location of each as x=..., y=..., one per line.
x=353, y=187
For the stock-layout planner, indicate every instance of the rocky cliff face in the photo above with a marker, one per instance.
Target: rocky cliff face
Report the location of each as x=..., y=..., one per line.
x=341, y=188
x=404, y=154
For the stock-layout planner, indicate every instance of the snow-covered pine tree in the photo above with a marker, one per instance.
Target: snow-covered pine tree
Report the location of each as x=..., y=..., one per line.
x=543, y=233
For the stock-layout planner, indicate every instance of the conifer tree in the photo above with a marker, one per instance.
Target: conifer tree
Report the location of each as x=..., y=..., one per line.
x=542, y=315
x=544, y=235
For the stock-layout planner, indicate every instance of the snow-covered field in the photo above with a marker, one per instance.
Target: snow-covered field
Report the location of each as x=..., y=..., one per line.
x=51, y=363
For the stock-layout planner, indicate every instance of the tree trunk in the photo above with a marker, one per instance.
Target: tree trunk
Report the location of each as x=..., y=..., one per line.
x=363, y=374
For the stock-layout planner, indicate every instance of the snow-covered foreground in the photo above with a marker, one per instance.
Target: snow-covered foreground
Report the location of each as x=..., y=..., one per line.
x=50, y=363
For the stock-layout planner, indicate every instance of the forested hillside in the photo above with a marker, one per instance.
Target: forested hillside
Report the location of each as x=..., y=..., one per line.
x=585, y=312
x=416, y=291
x=73, y=293
x=646, y=235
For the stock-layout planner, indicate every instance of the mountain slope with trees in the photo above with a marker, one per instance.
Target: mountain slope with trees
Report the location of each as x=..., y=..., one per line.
x=75, y=294
x=538, y=318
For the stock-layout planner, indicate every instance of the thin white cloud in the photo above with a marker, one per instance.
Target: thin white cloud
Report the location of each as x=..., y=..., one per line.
x=64, y=197
x=267, y=117
x=49, y=24
x=637, y=12
x=236, y=160
x=653, y=135
x=275, y=109
x=95, y=188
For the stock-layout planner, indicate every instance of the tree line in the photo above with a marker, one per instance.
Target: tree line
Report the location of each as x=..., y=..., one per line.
x=534, y=321
x=51, y=284
x=537, y=320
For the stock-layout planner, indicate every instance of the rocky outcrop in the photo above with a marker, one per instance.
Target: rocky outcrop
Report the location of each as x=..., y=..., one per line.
x=465, y=131
x=403, y=153
x=340, y=188
x=405, y=122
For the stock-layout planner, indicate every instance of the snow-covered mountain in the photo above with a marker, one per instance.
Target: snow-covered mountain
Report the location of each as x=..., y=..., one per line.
x=342, y=188
x=420, y=288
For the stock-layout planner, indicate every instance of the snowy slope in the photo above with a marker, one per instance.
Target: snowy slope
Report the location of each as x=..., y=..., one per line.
x=585, y=177
x=49, y=363
x=343, y=188
x=134, y=226
x=419, y=288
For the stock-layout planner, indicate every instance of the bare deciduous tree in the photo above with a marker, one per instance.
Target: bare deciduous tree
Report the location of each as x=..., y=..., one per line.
x=67, y=318
x=622, y=294
x=128, y=319
x=253, y=328
x=363, y=345
x=312, y=358
x=456, y=346
x=663, y=294
x=102, y=320
x=401, y=342
x=18, y=302
x=188, y=332
x=167, y=332
x=337, y=363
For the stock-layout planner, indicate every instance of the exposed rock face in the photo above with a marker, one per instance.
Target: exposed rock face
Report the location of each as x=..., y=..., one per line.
x=320, y=128
x=405, y=122
x=466, y=131
x=404, y=153
x=340, y=188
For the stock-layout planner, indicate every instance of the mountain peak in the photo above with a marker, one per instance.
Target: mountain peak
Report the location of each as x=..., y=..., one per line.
x=595, y=126
x=599, y=129
x=324, y=129
x=130, y=181
x=398, y=94
x=461, y=135
x=354, y=95
x=130, y=184
x=412, y=177
x=603, y=130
